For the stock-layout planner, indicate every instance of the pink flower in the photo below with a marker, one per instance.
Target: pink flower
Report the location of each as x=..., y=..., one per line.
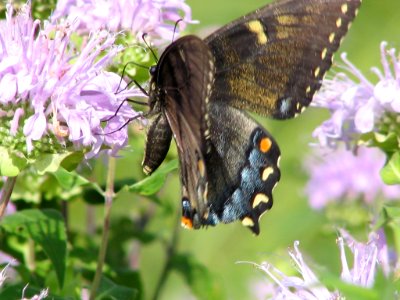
x=156, y=18
x=341, y=175
x=366, y=258
x=49, y=91
x=358, y=107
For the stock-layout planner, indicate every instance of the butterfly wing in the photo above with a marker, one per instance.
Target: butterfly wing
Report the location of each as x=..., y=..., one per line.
x=242, y=166
x=214, y=142
x=181, y=86
x=272, y=61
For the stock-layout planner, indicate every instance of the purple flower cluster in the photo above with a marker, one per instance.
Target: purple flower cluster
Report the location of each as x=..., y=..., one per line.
x=49, y=89
x=341, y=174
x=358, y=107
x=156, y=18
x=366, y=257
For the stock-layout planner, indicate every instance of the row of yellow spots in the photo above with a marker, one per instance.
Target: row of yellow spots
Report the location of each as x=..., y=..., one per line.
x=207, y=99
x=256, y=27
x=202, y=170
x=299, y=107
x=344, y=9
x=264, y=146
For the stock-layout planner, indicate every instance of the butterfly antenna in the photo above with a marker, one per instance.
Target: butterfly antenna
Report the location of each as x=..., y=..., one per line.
x=176, y=26
x=126, y=123
x=120, y=106
x=148, y=46
x=123, y=74
x=127, y=99
x=140, y=87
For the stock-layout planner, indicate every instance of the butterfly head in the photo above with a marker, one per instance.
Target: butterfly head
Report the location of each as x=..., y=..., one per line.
x=153, y=71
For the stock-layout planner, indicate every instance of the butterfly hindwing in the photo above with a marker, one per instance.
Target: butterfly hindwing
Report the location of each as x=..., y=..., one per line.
x=243, y=165
x=272, y=61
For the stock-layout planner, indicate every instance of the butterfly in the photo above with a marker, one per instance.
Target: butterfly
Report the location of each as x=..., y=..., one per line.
x=270, y=62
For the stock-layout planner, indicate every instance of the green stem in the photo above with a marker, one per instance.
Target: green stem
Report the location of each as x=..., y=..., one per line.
x=109, y=195
x=171, y=250
x=6, y=194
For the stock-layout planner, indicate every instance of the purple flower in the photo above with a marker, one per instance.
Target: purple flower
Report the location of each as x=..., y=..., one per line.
x=156, y=18
x=365, y=259
x=47, y=91
x=344, y=175
x=358, y=107
x=293, y=287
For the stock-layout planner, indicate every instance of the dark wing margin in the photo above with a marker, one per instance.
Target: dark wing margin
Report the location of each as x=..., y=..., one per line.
x=289, y=46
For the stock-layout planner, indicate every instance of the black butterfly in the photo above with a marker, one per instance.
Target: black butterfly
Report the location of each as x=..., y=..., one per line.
x=271, y=62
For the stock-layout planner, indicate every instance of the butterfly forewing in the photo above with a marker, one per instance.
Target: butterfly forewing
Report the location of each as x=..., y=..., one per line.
x=182, y=83
x=273, y=60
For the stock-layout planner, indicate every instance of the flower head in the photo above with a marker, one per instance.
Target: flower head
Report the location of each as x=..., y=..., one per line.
x=293, y=287
x=156, y=18
x=366, y=257
x=49, y=92
x=358, y=107
x=342, y=174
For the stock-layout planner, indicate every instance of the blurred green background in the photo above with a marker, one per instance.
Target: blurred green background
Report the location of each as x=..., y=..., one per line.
x=219, y=248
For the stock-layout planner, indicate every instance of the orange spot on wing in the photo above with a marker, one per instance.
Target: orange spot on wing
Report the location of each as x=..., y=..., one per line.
x=265, y=145
x=186, y=223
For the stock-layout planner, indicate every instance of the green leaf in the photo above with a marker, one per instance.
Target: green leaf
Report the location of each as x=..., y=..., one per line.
x=15, y=291
x=393, y=212
x=11, y=162
x=72, y=161
x=109, y=290
x=49, y=163
x=199, y=279
x=46, y=227
x=350, y=291
x=388, y=143
x=390, y=173
x=391, y=216
x=69, y=180
x=152, y=184
x=130, y=278
x=357, y=292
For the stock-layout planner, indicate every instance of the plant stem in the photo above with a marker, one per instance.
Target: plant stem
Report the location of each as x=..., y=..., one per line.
x=171, y=249
x=109, y=195
x=6, y=194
